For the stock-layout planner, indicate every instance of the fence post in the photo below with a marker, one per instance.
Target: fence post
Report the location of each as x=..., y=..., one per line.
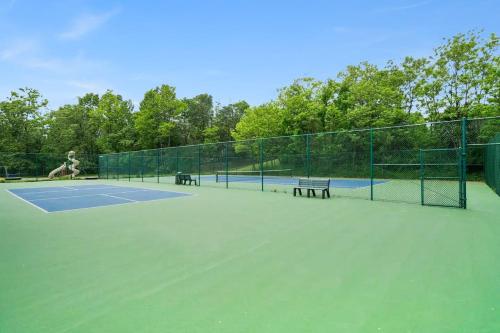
x=261, y=150
x=199, y=165
x=158, y=165
x=36, y=167
x=463, y=178
x=128, y=166
x=371, y=164
x=177, y=159
x=118, y=166
x=421, y=158
x=226, y=163
x=142, y=166
x=308, y=155
x=107, y=166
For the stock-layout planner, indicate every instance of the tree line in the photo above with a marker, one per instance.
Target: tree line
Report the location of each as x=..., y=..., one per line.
x=460, y=79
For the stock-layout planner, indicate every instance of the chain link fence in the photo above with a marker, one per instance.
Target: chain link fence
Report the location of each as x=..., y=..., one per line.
x=425, y=163
x=492, y=164
x=37, y=166
x=428, y=163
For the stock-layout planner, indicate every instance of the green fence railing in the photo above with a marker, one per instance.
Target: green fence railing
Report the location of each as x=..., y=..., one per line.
x=492, y=164
x=37, y=166
x=426, y=163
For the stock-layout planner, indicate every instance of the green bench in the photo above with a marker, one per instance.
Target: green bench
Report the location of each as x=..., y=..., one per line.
x=184, y=178
x=10, y=176
x=311, y=185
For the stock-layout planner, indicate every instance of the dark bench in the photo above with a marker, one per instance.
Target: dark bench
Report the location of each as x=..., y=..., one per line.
x=184, y=178
x=311, y=185
x=10, y=176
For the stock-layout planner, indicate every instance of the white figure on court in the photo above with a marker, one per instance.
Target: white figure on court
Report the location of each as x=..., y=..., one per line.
x=71, y=164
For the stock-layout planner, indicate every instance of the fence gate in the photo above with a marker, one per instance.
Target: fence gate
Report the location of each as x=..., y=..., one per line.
x=441, y=177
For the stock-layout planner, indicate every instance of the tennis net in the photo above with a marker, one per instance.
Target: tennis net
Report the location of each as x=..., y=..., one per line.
x=252, y=176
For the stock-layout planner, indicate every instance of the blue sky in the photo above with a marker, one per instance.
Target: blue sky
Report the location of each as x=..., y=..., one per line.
x=232, y=50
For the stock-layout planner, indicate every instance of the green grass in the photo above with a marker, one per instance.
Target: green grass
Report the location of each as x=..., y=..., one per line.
x=245, y=261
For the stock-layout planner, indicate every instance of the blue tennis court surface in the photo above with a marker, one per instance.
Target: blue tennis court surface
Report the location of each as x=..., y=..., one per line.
x=61, y=198
x=334, y=183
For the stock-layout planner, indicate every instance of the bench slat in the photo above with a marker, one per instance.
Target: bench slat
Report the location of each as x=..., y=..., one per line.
x=313, y=183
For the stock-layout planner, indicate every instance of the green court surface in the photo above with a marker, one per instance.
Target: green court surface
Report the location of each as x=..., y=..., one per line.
x=245, y=261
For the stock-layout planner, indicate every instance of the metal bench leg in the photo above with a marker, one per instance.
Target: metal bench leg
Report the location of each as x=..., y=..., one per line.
x=328, y=192
x=314, y=193
x=323, y=194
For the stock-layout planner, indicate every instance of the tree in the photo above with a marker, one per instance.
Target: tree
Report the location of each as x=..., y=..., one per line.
x=303, y=108
x=462, y=77
x=196, y=118
x=21, y=122
x=370, y=97
x=156, y=122
x=72, y=127
x=262, y=121
x=227, y=117
x=414, y=75
x=113, y=118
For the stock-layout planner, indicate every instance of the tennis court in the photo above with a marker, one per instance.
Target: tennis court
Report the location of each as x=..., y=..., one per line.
x=61, y=198
x=280, y=177
x=245, y=261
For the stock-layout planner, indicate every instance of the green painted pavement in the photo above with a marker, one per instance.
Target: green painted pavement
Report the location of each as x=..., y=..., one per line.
x=245, y=261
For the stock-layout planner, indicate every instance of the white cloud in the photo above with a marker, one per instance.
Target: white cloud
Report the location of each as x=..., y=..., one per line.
x=87, y=86
x=18, y=48
x=54, y=65
x=402, y=7
x=25, y=52
x=87, y=23
x=7, y=5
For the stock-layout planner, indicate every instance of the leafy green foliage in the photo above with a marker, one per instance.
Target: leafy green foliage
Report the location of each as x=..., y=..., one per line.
x=21, y=122
x=461, y=79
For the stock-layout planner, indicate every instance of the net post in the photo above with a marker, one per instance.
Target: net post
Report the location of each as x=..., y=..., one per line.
x=158, y=165
x=371, y=164
x=308, y=155
x=421, y=158
x=463, y=176
x=261, y=150
x=199, y=165
x=227, y=164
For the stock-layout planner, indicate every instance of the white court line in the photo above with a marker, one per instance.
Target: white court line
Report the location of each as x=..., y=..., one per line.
x=56, y=189
x=32, y=204
x=150, y=189
x=114, y=196
x=122, y=204
x=85, y=195
x=53, y=191
x=88, y=187
x=184, y=194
